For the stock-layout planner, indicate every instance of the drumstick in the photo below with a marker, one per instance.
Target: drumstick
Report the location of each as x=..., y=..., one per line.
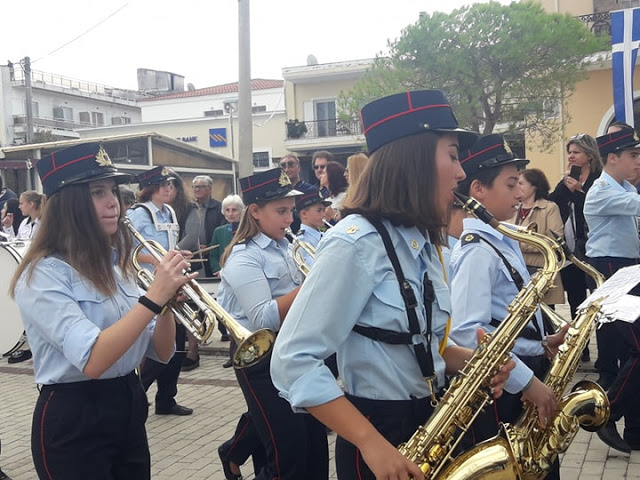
x=195, y=260
x=202, y=250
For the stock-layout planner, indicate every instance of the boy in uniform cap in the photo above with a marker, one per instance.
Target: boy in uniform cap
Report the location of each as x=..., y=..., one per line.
x=376, y=294
x=611, y=208
x=488, y=270
x=310, y=207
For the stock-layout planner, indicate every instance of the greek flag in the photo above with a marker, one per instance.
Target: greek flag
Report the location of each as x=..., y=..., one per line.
x=625, y=38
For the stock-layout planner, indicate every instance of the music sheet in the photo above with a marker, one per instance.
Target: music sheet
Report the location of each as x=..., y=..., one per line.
x=617, y=303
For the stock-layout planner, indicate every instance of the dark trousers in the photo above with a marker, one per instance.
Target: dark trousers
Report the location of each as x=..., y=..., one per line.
x=507, y=409
x=165, y=375
x=93, y=429
x=295, y=444
x=575, y=284
x=245, y=443
x=396, y=420
x=612, y=350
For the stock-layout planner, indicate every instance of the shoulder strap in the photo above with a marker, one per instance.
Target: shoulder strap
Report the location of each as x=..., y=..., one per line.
x=517, y=279
x=423, y=354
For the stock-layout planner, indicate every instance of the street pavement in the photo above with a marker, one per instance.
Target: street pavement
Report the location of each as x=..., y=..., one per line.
x=186, y=447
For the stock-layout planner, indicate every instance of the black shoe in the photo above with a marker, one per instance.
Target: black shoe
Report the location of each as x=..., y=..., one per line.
x=226, y=467
x=609, y=435
x=224, y=338
x=585, y=355
x=189, y=364
x=4, y=476
x=175, y=410
x=19, y=356
x=227, y=364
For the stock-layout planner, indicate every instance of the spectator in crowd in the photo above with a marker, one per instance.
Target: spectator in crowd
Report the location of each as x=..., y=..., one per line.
x=319, y=161
x=209, y=211
x=333, y=180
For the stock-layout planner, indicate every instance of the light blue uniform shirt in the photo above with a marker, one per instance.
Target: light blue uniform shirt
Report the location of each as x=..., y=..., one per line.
x=256, y=273
x=63, y=315
x=482, y=288
x=353, y=282
x=312, y=237
x=611, y=211
x=143, y=222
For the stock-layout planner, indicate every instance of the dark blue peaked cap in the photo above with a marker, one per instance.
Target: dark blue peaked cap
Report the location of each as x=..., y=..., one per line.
x=156, y=176
x=78, y=164
x=410, y=113
x=616, y=141
x=310, y=196
x=490, y=151
x=268, y=185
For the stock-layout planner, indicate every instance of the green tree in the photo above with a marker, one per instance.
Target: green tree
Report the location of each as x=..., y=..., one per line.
x=512, y=65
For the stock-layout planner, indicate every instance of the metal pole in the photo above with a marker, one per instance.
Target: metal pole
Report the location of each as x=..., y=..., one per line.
x=245, y=133
x=29, y=104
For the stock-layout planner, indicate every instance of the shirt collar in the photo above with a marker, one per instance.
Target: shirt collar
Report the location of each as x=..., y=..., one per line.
x=414, y=239
x=312, y=232
x=625, y=187
x=263, y=241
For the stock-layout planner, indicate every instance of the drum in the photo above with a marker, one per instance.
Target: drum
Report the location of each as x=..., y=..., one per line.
x=11, y=330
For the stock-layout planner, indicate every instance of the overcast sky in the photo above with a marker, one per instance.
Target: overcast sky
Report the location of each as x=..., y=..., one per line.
x=198, y=38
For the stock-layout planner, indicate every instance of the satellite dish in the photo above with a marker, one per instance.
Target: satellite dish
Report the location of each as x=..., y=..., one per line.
x=312, y=60
x=190, y=87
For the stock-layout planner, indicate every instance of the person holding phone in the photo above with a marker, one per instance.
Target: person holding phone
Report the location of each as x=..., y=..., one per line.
x=583, y=168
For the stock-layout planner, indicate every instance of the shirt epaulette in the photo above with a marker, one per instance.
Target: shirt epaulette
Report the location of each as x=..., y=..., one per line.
x=300, y=233
x=469, y=238
x=240, y=245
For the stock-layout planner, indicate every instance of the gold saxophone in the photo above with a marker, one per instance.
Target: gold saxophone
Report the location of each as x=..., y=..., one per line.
x=431, y=446
x=587, y=406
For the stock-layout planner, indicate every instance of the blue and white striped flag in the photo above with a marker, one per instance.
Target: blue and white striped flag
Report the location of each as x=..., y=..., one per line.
x=625, y=39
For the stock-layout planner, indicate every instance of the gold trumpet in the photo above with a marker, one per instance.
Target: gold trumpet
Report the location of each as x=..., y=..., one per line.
x=298, y=247
x=252, y=347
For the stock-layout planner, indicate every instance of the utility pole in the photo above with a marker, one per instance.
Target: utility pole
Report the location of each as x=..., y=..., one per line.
x=29, y=103
x=245, y=132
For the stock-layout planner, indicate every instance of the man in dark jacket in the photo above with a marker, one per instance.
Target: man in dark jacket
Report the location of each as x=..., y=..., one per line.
x=210, y=212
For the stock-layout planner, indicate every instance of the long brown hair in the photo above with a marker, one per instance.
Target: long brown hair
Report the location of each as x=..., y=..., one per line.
x=70, y=229
x=399, y=184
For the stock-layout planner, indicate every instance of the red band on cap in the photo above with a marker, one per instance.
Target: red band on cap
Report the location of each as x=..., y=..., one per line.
x=411, y=110
x=55, y=169
x=622, y=137
x=480, y=152
x=260, y=184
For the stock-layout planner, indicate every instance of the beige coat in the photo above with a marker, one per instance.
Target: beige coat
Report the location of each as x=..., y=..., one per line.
x=546, y=216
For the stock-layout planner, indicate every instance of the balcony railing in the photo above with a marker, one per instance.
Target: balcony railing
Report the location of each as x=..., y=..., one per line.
x=45, y=122
x=332, y=127
x=599, y=23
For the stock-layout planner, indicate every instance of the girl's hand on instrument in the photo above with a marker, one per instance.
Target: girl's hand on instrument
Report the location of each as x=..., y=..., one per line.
x=386, y=462
x=543, y=398
x=500, y=378
x=554, y=341
x=169, y=277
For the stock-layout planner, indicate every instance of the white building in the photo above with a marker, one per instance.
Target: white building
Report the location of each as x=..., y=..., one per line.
x=60, y=106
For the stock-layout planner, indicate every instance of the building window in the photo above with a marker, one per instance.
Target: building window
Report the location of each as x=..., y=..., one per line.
x=259, y=109
x=261, y=159
x=325, y=114
x=85, y=117
x=120, y=120
x=214, y=113
x=63, y=113
x=97, y=118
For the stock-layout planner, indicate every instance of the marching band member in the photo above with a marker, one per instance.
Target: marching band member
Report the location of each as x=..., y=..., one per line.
x=156, y=220
x=311, y=206
x=259, y=282
x=367, y=321
x=31, y=204
x=88, y=326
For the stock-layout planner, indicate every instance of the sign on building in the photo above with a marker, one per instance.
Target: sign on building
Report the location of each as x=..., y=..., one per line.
x=217, y=137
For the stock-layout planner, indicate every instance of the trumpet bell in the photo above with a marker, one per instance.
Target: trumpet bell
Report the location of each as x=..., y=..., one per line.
x=253, y=348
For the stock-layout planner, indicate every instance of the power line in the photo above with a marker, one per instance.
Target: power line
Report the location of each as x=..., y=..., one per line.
x=83, y=33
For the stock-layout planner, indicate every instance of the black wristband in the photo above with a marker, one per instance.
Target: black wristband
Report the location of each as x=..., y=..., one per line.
x=151, y=305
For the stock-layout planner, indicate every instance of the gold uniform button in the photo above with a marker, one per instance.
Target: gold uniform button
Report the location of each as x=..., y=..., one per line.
x=352, y=229
x=414, y=244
